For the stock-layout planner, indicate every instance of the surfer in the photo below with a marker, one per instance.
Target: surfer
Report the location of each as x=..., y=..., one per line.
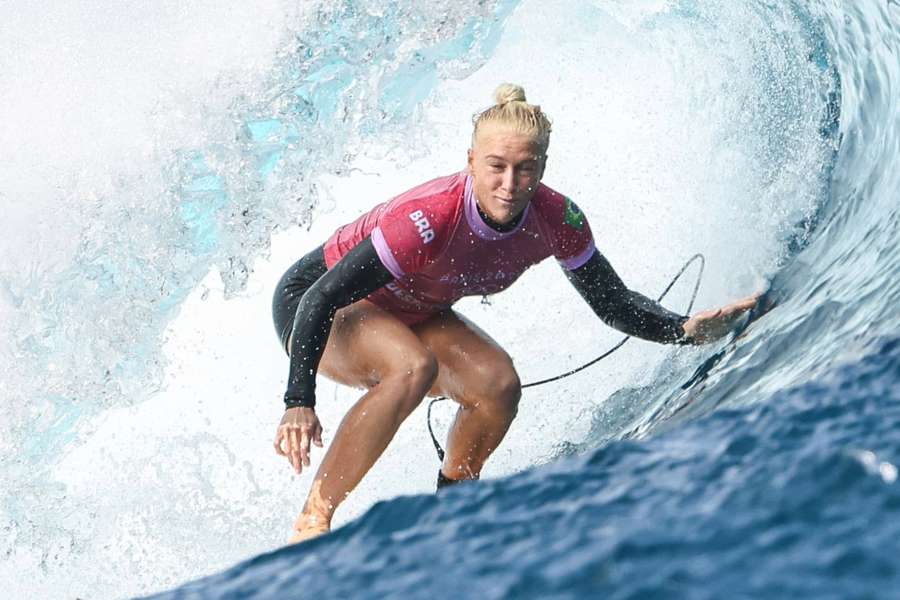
x=372, y=307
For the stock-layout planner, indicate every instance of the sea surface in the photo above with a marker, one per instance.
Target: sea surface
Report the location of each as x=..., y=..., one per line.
x=161, y=164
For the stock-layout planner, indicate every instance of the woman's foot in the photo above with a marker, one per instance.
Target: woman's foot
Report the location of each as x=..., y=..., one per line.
x=307, y=527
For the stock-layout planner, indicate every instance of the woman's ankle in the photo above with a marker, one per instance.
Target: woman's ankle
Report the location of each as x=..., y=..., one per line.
x=308, y=520
x=307, y=527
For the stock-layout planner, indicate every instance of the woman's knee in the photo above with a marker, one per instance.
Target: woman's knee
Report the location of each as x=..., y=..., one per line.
x=422, y=370
x=509, y=392
x=414, y=375
x=499, y=392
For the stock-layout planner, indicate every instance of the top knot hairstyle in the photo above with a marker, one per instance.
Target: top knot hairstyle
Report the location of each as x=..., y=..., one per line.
x=513, y=112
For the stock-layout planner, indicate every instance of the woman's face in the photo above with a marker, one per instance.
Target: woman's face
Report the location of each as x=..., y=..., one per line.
x=506, y=168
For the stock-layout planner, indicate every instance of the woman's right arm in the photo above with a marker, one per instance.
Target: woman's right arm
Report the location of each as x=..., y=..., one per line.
x=355, y=276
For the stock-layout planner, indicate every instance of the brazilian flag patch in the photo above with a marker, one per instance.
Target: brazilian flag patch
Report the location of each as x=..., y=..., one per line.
x=574, y=216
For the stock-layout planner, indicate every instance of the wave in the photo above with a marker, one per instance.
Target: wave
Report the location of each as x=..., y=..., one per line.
x=141, y=373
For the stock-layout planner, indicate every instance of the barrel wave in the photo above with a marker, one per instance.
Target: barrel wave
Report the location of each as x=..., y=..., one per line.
x=159, y=180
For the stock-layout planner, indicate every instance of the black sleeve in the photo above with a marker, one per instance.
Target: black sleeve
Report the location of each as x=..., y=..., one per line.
x=619, y=307
x=355, y=276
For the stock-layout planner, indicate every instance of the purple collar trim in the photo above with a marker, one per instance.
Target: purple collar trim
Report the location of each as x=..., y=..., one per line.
x=477, y=224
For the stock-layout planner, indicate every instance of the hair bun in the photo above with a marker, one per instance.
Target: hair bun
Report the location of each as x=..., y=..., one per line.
x=509, y=92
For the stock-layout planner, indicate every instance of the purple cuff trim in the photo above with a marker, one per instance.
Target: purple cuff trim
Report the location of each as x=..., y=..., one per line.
x=385, y=254
x=477, y=224
x=579, y=259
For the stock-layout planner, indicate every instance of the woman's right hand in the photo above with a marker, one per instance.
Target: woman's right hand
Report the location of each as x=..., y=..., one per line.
x=299, y=426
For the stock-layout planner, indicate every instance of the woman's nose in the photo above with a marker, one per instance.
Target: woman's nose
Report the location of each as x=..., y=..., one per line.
x=509, y=181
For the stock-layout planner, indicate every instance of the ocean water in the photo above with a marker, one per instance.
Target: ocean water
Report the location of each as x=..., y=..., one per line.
x=157, y=179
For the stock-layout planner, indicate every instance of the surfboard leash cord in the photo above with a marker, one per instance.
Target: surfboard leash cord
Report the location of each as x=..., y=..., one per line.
x=688, y=263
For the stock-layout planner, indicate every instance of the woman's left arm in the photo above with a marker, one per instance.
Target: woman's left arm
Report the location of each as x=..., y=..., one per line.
x=635, y=314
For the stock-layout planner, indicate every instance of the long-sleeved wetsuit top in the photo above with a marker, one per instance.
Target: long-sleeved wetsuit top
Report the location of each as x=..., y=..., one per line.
x=417, y=254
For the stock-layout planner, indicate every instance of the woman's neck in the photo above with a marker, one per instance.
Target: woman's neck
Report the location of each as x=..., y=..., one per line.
x=501, y=227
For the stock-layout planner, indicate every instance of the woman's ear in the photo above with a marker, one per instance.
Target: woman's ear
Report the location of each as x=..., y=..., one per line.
x=470, y=160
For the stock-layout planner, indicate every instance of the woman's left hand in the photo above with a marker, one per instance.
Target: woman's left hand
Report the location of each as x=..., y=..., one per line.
x=710, y=325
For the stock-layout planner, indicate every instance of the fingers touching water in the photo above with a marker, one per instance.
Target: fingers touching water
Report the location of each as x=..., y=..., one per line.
x=710, y=325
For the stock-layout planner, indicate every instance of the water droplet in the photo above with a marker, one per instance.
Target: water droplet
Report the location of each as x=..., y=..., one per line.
x=888, y=472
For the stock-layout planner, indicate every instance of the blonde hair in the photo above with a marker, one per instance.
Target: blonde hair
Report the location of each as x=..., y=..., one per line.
x=512, y=111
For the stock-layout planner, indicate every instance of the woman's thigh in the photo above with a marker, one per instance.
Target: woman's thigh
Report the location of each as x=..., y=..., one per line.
x=471, y=366
x=367, y=344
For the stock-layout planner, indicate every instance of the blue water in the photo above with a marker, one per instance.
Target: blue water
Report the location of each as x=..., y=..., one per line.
x=761, y=466
x=785, y=498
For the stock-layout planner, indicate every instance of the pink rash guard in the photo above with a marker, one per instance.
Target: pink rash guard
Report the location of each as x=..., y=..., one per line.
x=436, y=244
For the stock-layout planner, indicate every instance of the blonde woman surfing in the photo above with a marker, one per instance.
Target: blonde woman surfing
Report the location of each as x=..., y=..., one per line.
x=372, y=307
